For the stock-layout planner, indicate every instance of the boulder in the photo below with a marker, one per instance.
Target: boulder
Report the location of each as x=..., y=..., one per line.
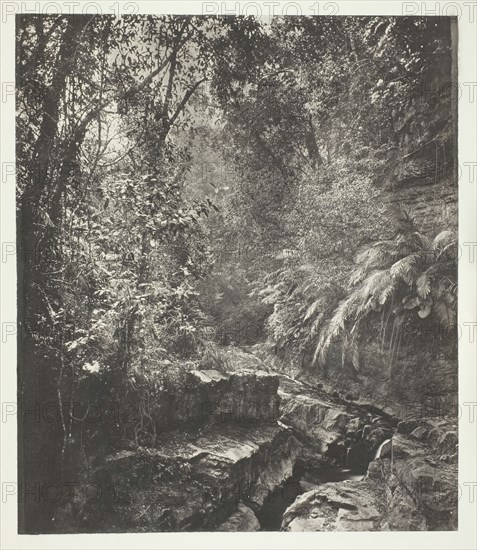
x=404, y=514
x=345, y=506
x=422, y=489
x=242, y=520
x=447, y=443
x=433, y=487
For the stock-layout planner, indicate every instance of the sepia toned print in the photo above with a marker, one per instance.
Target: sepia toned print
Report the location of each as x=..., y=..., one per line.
x=237, y=273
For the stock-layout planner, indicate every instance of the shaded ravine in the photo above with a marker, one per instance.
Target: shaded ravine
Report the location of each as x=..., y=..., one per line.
x=405, y=479
x=256, y=450
x=344, y=458
x=270, y=515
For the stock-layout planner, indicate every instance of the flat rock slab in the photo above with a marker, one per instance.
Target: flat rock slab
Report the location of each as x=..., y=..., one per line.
x=208, y=376
x=204, y=397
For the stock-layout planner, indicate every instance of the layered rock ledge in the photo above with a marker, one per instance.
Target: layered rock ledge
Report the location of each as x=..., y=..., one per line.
x=192, y=480
x=253, y=450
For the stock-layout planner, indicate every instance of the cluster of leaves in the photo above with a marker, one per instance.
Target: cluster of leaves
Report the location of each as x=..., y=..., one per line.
x=320, y=123
x=410, y=277
x=114, y=247
x=124, y=251
x=298, y=314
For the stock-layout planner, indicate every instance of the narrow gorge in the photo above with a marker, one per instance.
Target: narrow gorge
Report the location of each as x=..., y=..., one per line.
x=255, y=450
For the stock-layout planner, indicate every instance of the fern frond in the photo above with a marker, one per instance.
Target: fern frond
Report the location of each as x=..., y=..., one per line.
x=423, y=241
x=426, y=267
x=443, y=239
x=405, y=268
x=367, y=296
x=308, y=286
x=317, y=323
x=387, y=290
x=334, y=327
x=378, y=256
x=449, y=249
x=355, y=353
x=311, y=311
x=445, y=314
x=423, y=285
x=357, y=276
x=269, y=289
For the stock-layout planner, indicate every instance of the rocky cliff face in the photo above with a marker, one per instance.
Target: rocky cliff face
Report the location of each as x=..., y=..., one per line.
x=345, y=434
x=422, y=177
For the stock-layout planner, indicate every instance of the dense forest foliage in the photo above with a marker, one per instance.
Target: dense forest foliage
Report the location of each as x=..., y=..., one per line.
x=187, y=185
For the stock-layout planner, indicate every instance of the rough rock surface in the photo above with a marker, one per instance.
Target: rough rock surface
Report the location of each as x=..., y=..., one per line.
x=409, y=487
x=192, y=480
x=343, y=506
x=242, y=520
x=422, y=487
x=344, y=433
x=232, y=472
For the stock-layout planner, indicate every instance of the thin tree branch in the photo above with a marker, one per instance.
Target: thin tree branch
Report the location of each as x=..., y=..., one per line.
x=81, y=129
x=185, y=99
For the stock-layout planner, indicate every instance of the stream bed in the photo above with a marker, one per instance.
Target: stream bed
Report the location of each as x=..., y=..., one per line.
x=270, y=515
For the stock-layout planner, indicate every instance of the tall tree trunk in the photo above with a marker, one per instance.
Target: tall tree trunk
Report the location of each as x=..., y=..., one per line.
x=39, y=424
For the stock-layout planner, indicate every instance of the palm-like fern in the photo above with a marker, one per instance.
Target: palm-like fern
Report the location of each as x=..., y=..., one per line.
x=409, y=275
